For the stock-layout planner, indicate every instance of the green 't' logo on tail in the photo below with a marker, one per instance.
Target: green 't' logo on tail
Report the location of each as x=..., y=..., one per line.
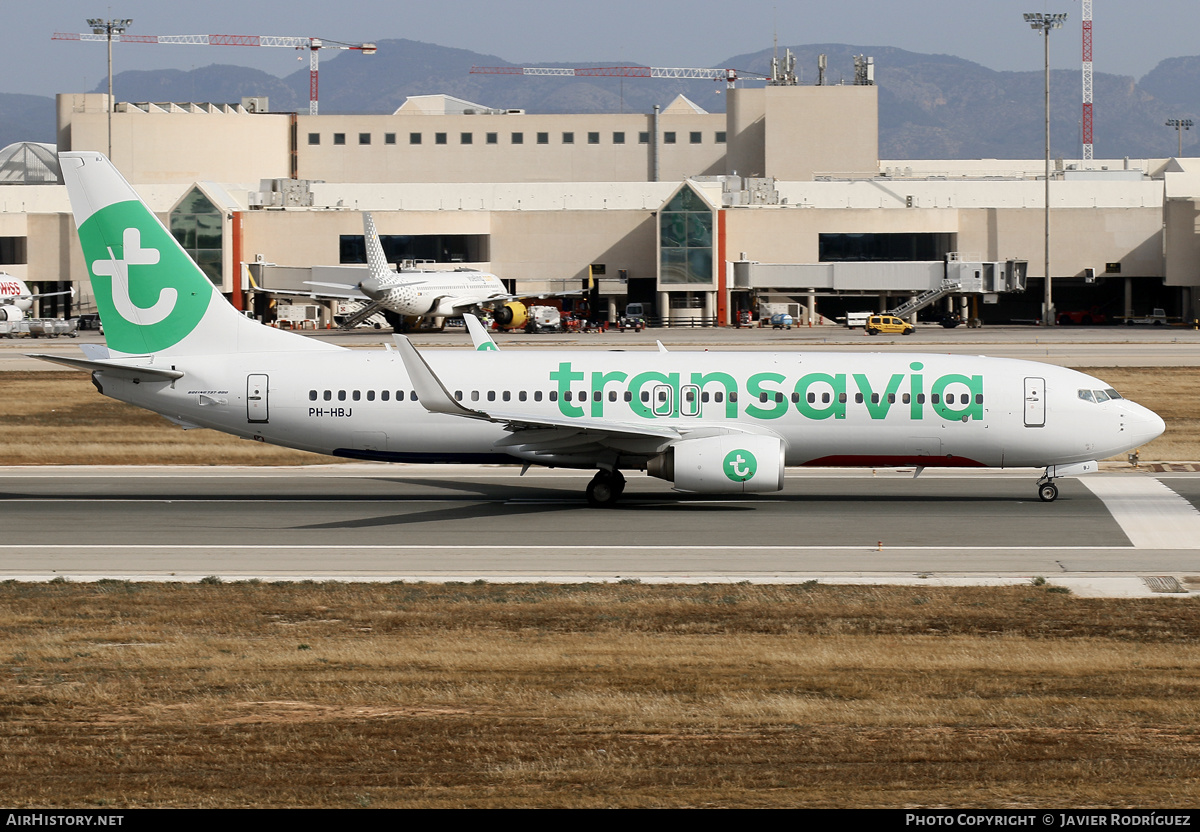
x=149, y=292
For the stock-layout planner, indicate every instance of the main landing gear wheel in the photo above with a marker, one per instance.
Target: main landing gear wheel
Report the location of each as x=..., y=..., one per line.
x=605, y=488
x=1047, y=492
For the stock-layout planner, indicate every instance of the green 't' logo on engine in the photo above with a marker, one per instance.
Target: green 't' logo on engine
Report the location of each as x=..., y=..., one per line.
x=149, y=293
x=739, y=465
x=486, y=346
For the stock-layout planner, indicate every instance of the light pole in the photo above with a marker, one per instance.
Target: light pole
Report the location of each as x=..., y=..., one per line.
x=1043, y=23
x=100, y=26
x=1180, y=124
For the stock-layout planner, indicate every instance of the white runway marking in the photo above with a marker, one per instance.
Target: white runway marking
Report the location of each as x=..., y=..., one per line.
x=1151, y=514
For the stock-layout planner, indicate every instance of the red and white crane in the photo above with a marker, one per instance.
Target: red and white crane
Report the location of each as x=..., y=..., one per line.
x=1087, y=80
x=313, y=45
x=729, y=76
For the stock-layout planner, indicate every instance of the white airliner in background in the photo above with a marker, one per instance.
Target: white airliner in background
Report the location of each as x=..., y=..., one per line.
x=428, y=292
x=708, y=422
x=16, y=300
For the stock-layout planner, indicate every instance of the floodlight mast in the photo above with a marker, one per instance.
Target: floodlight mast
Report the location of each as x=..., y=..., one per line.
x=1180, y=124
x=1043, y=23
x=108, y=28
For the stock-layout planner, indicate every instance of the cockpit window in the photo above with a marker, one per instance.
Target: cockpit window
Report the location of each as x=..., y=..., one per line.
x=1087, y=396
x=1112, y=394
x=1101, y=396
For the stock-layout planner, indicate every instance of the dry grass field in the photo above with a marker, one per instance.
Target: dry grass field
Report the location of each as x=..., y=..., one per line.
x=386, y=695
x=366, y=695
x=58, y=418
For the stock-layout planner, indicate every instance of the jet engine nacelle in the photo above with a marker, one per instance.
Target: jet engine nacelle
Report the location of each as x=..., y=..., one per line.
x=734, y=462
x=11, y=312
x=512, y=315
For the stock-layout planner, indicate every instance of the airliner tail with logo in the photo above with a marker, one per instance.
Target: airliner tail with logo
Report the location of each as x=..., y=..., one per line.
x=707, y=422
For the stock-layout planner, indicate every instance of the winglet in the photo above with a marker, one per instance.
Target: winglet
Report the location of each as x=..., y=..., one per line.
x=661, y=348
x=430, y=392
x=479, y=336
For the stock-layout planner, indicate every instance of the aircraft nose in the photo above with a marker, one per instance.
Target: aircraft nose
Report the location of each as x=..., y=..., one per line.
x=1145, y=424
x=371, y=287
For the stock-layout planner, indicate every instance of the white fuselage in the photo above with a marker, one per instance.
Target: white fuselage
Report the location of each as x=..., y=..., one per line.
x=15, y=295
x=433, y=292
x=828, y=408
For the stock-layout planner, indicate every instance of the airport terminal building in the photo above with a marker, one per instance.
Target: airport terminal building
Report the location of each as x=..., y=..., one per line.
x=782, y=198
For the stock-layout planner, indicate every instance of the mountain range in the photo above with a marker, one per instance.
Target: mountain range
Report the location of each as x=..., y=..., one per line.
x=930, y=106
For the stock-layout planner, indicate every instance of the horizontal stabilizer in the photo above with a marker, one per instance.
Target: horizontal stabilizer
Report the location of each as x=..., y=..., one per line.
x=133, y=371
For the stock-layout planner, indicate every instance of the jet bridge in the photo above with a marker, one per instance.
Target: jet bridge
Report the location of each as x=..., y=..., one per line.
x=926, y=281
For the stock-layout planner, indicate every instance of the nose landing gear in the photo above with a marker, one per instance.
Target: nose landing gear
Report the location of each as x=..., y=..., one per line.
x=1047, y=490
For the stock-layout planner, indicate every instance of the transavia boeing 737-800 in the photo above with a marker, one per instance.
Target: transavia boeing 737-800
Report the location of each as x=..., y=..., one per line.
x=708, y=422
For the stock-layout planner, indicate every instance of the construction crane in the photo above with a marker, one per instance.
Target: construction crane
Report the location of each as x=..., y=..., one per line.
x=313, y=45
x=1087, y=80
x=729, y=76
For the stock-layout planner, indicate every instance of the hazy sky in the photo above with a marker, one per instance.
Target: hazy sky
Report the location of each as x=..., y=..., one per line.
x=1129, y=38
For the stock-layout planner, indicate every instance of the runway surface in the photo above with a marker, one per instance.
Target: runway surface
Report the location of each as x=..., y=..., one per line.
x=1119, y=532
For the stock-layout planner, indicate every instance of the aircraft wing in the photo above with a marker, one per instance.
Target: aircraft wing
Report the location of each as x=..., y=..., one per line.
x=524, y=297
x=8, y=299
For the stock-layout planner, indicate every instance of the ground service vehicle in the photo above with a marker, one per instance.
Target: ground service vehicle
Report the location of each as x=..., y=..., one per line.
x=889, y=325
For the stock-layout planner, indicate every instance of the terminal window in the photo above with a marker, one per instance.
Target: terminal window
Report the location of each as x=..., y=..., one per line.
x=364, y=138
x=686, y=239
x=196, y=225
x=439, y=138
x=694, y=137
x=414, y=138
x=840, y=248
x=543, y=138
x=618, y=138
x=493, y=138
x=12, y=251
x=339, y=138
x=643, y=137
x=568, y=138
x=518, y=138
x=440, y=248
x=593, y=138
x=720, y=138
x=669, y=137
x=314, y=138
x=466, y=138
x=389, y=138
